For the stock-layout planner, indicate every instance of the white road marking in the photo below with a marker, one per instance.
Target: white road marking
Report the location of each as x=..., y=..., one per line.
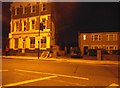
x=83, y=78
x=29, y=81
x=71, y=83
x=113, y=85
x=3, y=70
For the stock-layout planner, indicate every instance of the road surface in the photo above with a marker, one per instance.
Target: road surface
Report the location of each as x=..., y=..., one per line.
x=17, y=72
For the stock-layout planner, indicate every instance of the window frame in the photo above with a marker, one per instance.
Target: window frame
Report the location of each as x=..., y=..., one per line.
x=32, y=42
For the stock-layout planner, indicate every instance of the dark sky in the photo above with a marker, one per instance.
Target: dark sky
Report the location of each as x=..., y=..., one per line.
x=72, y=18
x=85, y=17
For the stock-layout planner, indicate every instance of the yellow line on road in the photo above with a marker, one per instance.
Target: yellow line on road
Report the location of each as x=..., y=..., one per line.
x=29, y=81
x=83, y=78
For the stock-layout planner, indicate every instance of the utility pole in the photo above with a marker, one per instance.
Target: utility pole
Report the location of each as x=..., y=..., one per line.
x=40, y=28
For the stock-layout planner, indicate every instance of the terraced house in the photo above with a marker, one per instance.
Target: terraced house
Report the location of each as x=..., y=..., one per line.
x=25, y=36
x=100, y=40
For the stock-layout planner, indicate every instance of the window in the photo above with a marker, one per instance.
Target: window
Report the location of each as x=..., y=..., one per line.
x=13, y=10
x=44, y=23
x=16, y=42
x=43, y=42
x=44, y=8
x=17, y=26
x=17, y=11
x=24, y=26
x=84, y=37
x=32, y=42
x=33, y=9
x=25, y=10
x=33, y=24
x=96, y=37
x=111, y=37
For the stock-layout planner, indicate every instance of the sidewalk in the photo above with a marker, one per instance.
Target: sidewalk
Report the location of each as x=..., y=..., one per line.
x=64, y=59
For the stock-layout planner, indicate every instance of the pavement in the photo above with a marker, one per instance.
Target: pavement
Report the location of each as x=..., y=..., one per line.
x=64, y=59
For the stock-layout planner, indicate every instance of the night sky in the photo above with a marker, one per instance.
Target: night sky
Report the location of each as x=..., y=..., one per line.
x=72, y=18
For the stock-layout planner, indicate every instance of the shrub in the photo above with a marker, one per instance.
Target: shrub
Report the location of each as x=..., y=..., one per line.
x=92, y=52
x=117, y=52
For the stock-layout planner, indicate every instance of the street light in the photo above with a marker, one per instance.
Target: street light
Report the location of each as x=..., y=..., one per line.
x=40, y=28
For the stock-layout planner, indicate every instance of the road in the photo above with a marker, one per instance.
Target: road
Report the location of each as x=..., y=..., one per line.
x=18, y=72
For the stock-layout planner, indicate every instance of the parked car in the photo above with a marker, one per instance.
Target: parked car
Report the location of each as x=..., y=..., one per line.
x=75, y=52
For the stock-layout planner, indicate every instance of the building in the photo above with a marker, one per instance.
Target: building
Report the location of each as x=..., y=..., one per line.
x=101, y=40
x=25, y=36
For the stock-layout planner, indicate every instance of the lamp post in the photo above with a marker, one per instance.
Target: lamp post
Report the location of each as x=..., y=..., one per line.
x=40, y=28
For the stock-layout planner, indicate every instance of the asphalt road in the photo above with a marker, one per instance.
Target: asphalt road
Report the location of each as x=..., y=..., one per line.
x=17, y=72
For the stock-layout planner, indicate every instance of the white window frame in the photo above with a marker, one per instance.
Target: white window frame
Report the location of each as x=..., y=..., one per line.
x=99, y=38
x=43, y=6
x=25, y=10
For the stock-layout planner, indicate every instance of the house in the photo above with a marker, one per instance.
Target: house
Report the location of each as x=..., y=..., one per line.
x=25, y=35
x=100, y=40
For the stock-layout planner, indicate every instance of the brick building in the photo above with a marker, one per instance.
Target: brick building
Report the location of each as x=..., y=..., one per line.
x=25, y=36
x=101, y=40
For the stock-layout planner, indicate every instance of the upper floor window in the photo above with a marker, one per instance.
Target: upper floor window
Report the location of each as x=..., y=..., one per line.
x=84, y=37
x=24, y=25
x=25, y=10
x=44, y=7
x=111, y=37
x=44, y=23
x=33, y=24
x=17, y=26
x=33, y=9
x=96, y=37
x=17, y=11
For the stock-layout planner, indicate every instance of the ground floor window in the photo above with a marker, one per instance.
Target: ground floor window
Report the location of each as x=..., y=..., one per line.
x=16, y=42
x=32, y=42
x=43, y=42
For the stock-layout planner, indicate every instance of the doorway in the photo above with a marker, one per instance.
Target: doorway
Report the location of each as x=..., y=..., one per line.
x=85, y=50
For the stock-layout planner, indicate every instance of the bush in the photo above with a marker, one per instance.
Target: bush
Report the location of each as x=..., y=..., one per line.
x=105, y=52
x=92, y=52
x=117, y=52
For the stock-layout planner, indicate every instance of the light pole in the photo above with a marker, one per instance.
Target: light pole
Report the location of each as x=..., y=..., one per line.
x=40, y=28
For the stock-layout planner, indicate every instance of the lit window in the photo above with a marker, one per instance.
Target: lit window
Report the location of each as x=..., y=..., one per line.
x=33, y=24
x=24, y=25
x=44, y=23
x=84, y=37
x=43, y=42
x=16, y=42
x=32, y=42
x=17, y=26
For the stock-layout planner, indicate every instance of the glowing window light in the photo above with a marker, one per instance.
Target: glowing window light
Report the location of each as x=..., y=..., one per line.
x=84, y=37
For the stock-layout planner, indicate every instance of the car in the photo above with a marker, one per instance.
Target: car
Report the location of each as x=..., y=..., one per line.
x=75, y=52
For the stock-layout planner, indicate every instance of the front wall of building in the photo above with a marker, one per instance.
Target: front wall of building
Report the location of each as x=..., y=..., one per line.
x=24, y=33
x=103, y=40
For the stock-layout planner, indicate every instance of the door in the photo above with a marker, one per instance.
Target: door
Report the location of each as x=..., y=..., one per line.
x=23, y=50
x=85, y=50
